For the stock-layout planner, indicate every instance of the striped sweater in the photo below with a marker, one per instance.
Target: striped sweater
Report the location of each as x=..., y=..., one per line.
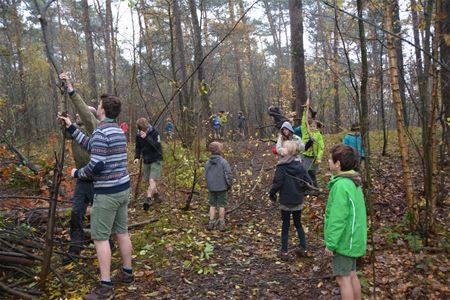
x=108, y=163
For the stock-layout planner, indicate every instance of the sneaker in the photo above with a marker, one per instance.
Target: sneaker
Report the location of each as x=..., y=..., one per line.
x=147, y=203
x=284, y=256
x=221, y=225
x=101, y=291
x=211, y=224
x=157, y=197
x=301, y=252
x=122, y=277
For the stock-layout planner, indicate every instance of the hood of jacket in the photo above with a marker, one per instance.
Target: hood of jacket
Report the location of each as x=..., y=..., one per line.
x=288, y=126
x=353, y=175
x=215, y=159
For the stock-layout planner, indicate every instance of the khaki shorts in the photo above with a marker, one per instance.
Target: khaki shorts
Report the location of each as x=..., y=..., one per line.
x=343, y=265
x=152, y=170
x=109, y=215
x=218, y=199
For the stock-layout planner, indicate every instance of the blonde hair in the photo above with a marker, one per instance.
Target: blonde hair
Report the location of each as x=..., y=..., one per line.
x=142, y=123
x=292, y=147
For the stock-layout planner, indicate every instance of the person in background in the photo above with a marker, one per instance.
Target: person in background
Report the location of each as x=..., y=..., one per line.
x=148, y=145
x=169, y=128
x=354, y=140
x=314, y=146
x=218, y=181
x=290, y=181
x=241, y=124
x=287, y=134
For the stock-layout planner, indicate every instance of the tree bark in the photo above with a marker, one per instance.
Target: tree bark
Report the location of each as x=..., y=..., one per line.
x=402, y=141
x=444, y=14
x=398, y=47
x=198, y=56
x=108, y=48
x=237, y=57
x=186, y=106
x=89, y=50
x=297, y=55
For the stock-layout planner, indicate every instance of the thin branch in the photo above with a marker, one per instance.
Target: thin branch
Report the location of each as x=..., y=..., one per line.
x=442, y=64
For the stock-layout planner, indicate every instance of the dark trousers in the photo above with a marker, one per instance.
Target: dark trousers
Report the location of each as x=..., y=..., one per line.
x=312, y=174
x=84, y=195
x=286, y=218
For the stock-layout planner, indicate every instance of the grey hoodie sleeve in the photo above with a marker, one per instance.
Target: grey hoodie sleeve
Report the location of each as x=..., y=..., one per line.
x=228, y=174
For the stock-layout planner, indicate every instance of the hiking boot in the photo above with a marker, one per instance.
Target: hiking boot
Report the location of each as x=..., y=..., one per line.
x=221, y=225
x=301, y=252
x=123, y=277
x=157, y=197
x=210, y=225
x=101, y=292
x=284, y=256
x=147, y=203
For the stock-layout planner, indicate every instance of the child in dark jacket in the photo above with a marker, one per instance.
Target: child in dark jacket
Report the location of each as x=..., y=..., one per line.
x=291, y=181
x=218, y=181
x=148, y=143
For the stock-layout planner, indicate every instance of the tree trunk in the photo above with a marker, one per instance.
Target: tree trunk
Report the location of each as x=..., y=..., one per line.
x=108, y=49
x=277, y=45
x=402, y=141
x=297, y=55
x=398, y=47
x=185, y=102
x=237, y=57
x=444, y=14
x=256, y=82
x=89, y=50
x=337, y=106
x=198, y=56
x=432, y=168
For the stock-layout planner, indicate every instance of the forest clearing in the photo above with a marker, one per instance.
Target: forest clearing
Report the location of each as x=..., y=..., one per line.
x=157, y=149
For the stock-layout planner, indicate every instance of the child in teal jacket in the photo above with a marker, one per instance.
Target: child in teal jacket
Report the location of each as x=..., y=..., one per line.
x=354, y=140
x=345, y=227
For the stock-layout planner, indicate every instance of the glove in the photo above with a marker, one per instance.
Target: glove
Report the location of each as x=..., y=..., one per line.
x=273, y=197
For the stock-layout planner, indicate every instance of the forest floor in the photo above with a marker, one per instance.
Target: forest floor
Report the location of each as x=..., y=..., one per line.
x=175, y=257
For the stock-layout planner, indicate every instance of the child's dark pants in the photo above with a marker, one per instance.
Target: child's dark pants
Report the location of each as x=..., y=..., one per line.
x=84, y=194
x=286, y=217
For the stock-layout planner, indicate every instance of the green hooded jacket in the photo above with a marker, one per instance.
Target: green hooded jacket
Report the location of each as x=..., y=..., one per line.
x=316, y=150
x=345, y=216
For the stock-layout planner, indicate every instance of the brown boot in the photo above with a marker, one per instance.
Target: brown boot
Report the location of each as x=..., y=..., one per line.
x=101, y=292
x=123, y=277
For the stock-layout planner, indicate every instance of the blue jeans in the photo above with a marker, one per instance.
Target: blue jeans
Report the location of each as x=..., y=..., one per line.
x=286, y=218
x=84, y=195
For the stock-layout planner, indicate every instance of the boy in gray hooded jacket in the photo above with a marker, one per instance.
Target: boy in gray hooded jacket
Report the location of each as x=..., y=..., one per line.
x=218, y=181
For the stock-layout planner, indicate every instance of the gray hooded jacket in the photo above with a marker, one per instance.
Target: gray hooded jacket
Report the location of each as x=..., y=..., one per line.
x=218, y=174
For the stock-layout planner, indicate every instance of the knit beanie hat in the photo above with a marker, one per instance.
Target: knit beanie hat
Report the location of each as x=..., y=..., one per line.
x=215, y=147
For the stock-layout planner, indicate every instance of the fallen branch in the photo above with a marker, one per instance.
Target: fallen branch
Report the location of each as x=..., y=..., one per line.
x=14, y=292
x=251, y=191
x=316, y=278
x=16, y=260
x=136, y=225
x=20, y=156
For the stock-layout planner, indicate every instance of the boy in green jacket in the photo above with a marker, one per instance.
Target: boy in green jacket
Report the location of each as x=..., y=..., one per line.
x=345, y=227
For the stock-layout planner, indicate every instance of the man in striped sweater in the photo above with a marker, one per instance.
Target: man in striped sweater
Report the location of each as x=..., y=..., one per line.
x=109, y=215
